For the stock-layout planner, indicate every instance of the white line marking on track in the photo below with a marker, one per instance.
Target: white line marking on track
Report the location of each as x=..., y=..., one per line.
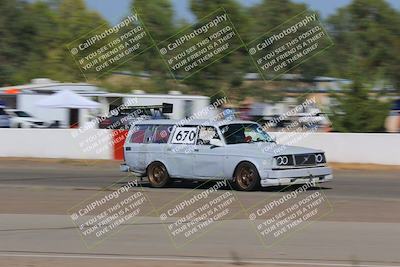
x=189, y=259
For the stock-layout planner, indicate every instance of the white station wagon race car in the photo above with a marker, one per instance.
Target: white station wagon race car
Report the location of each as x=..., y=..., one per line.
x=240, y=151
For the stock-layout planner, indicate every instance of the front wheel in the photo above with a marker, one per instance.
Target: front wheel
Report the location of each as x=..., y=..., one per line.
x=246, y=177
x=158, y=175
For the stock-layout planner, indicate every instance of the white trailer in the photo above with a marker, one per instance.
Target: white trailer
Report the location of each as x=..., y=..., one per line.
x=30, y=94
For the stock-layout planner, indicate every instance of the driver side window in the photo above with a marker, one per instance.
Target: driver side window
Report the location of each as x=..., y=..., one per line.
x=249, y=134
x=206, y=133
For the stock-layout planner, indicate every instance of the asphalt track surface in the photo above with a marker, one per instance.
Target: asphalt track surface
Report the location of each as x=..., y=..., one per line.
x=361, y=229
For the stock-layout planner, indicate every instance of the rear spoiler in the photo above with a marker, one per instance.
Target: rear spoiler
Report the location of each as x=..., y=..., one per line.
x=165, y=108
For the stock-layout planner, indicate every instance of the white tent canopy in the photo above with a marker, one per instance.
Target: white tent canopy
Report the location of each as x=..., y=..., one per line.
x=67, y=99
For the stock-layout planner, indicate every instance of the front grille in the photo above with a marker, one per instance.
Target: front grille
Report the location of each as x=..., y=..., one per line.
x=305, y=159
x=300, y=160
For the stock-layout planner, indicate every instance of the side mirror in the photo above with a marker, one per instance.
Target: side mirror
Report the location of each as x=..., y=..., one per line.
x=215, y=143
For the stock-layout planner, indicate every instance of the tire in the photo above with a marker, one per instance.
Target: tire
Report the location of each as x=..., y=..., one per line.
x=158, y=175
x=246, y=177
x=19, y=125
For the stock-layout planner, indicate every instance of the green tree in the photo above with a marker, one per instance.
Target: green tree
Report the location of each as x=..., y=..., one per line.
x=11, y=46
x=157, y=17
x=227, y=73
x=269, y=14
x=237, y=13
x=34, y=35
x=366, y=31
x=37, y=31
x=358, y=110
x=74, y=21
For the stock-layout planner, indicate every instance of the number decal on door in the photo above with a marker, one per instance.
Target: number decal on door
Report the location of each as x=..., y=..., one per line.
x=184, y=135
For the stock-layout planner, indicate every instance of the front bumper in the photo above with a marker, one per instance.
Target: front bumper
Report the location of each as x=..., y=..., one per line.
x=295, y=176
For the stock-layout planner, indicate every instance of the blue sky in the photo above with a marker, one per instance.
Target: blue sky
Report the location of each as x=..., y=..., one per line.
x=114, y=10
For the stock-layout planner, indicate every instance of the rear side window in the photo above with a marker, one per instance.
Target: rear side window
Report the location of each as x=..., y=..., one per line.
x=161, y=134
x=141, y=134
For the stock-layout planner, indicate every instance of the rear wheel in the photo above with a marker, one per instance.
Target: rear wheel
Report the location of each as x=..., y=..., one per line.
x=246, y=177
x=158, y=175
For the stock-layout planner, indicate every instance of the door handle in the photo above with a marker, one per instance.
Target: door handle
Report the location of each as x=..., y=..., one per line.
x=169, y=149
x=196, y=150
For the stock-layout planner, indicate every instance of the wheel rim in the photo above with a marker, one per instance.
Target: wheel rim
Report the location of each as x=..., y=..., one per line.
x=158, y=175
x=246, y=177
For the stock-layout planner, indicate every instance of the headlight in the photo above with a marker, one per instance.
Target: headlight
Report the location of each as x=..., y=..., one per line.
x=284, y=160
x=320, y=158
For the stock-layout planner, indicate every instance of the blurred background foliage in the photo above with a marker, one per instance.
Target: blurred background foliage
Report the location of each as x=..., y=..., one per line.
x=366, y=34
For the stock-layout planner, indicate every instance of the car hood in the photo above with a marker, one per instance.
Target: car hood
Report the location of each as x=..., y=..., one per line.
x=272, y=149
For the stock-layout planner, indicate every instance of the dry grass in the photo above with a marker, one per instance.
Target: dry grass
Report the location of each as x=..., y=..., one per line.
x=364, y=167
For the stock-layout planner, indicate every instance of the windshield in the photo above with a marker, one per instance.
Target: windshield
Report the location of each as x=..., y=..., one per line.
x=22, y=114
x=244, y=133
